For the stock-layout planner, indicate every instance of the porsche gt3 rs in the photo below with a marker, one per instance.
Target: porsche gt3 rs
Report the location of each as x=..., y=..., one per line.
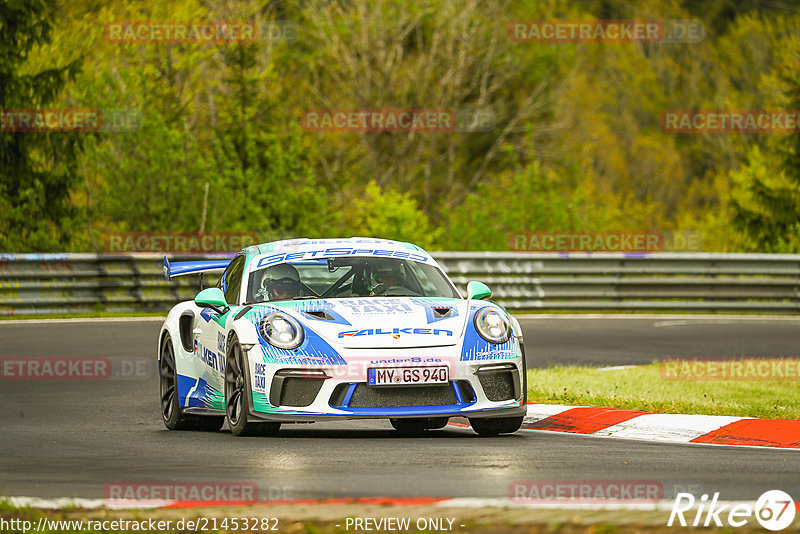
x=307, y=330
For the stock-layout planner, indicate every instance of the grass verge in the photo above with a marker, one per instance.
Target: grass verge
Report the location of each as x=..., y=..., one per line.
x=332, y=519
x=643, y=388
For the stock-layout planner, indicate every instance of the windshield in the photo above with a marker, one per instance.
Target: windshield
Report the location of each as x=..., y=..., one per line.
x=348, y=277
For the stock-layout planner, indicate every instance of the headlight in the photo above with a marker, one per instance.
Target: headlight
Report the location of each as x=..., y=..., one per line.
x=281, y=330
x=492, y=325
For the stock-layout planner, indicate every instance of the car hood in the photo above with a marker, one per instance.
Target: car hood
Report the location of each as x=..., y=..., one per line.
x=382, y=322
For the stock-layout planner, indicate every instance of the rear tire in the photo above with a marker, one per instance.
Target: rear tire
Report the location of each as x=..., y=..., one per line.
x=238, y=395
x=496, y=425
x=171, y=411
x=417, y=426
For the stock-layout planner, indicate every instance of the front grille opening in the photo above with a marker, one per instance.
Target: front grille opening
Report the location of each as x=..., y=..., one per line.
x=388, y=397
x=467, y=393
x=299, y=391
x=338, y=395
x=499, y=386
x=287, y=390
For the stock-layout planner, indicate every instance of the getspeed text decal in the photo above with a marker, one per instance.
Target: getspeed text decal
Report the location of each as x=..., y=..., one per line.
x=338, y=251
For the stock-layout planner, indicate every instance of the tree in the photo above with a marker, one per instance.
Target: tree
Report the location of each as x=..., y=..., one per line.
x=390, y=214
x=37, y=169
x=766, y=195
x=528, y=199
x=436, y=54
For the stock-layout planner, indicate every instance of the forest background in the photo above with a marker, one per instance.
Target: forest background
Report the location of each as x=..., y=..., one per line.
x=575, y=141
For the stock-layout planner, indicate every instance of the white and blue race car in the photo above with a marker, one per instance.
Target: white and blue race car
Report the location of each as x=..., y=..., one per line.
x=307, y=330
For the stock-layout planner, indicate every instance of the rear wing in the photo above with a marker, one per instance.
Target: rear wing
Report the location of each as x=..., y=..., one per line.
x=181, y=268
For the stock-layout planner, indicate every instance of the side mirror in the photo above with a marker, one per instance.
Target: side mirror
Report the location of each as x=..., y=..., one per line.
x=211, y=298
x=478, y=290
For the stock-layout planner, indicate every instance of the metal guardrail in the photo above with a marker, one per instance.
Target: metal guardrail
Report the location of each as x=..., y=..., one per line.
x=39, y=284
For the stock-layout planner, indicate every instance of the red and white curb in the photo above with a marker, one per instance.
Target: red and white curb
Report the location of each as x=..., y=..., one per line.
x=669, y=428
x=115, y=504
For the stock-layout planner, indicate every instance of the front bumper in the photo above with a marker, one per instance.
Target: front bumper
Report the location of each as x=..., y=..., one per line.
x=474, y=390
x=516, y=411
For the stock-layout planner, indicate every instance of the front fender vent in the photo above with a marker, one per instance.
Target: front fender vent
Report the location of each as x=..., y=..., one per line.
x=185, y=323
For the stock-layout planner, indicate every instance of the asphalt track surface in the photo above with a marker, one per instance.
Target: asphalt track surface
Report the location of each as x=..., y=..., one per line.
x=72, y=438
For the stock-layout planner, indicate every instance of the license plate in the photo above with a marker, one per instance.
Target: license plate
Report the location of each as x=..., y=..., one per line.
x=404, y=376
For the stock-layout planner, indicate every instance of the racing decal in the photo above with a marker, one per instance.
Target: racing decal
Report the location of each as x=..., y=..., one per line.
x=259, y=377
x=208, y=314
x=261, y=404
x=337, y=252
x=491, y=355
x=214, y=360
x=476, y=348
x=373, y=306
x=395, y=332
x=199, y=394
x=306, y=306
x=410, y=359
x=370, y=241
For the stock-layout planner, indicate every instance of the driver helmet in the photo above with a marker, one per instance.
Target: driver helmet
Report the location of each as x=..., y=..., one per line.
x=281, y=281
x=390, y=274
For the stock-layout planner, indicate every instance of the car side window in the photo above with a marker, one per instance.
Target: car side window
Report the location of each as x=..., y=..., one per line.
x=231, y=280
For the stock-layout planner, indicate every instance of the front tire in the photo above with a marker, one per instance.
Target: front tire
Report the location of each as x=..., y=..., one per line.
x=171, y=412
x=238, y=395
x=496, y=425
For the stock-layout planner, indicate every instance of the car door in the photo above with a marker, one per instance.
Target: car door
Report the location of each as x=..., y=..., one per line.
x=210, y=347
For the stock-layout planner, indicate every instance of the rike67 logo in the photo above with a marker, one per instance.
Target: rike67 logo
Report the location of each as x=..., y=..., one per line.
x=774, y=510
